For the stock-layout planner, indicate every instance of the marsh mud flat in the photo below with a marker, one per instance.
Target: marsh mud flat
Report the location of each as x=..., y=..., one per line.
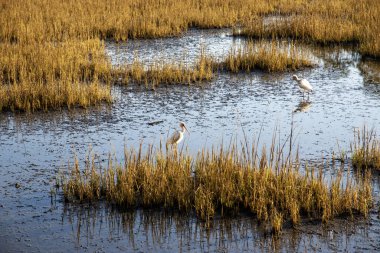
x=35, y=147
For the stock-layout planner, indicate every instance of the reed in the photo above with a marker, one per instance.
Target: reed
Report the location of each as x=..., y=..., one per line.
x=160, y=73
x=44, y=76
x=55, y=45
x=43, y=20
x=321, y=22
x=264, y=56
x=220, y=181
x=308, y=28
x=365, y=150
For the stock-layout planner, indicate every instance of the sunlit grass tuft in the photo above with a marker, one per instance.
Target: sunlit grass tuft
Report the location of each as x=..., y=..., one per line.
x=366, y=150
x=221, y=182
x=47, y=76
x=160, y=73
x=264, y=56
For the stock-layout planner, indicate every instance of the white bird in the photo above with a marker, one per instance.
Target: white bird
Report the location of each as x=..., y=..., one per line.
x=304, y=85
x=177, y=136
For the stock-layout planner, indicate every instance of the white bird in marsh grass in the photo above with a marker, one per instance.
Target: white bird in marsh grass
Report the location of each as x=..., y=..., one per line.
x=304, y=85
x=177, y=136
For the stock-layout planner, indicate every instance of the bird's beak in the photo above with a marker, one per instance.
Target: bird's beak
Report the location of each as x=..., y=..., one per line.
x=186, y=129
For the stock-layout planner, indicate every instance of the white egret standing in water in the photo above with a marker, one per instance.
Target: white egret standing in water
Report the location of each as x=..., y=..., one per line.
x=177, y=136
x=304, y=85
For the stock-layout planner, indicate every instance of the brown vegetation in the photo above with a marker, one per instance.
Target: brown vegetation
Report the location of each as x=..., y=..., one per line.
x=264, y=56
x=220, y=181
x=251, y=56
x=51, y=55
x=44, y=76
x=366, y=150
x=322, y=22
x=165, y=73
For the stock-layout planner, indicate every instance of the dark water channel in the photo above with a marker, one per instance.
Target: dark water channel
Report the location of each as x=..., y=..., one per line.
x=34, y=147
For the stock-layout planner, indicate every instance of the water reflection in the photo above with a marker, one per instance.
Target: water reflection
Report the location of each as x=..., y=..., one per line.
x=370, y=71
x=303, y=106
x=167, y=231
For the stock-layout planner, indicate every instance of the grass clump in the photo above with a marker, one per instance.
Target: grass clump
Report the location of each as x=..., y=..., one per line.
x=166, y=73
x=44, y=76
x=309, y=28
x=264, y=56
x=219, y=182
x=366, y=150
x=321, y=22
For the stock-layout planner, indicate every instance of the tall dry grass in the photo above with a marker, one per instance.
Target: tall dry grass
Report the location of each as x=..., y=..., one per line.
x=309, y=28
x=252, y=56
x=223, y=181
x=32, y=32
x=44, y=76
x=55, y=20
x=322, y=22
x=366, y=150
x=264, y=56
x=167, y=73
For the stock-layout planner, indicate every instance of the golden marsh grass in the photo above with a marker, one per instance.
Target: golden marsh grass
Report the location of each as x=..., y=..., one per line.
x=264, y=56
x=55, y=45
x=43, y=20
x=44, y=76
x=366, y=150
x=309, y=28
x=220, y=181
x=323, y=22
x=165, y=73
x=252, y=56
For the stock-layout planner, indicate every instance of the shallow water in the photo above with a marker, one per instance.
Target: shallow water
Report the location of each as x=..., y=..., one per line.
x=34, y=147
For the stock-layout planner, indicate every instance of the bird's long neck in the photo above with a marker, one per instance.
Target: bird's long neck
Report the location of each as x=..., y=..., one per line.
x=298, y=79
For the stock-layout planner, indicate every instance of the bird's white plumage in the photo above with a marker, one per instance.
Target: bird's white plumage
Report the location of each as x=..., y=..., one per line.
x=177, y=136
x=303, y=84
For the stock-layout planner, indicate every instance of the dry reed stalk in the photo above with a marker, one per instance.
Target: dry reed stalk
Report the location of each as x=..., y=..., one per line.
x=221, y=181
x=365, y=150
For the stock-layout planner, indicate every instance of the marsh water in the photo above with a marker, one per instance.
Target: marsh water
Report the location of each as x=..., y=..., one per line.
x=236, y=107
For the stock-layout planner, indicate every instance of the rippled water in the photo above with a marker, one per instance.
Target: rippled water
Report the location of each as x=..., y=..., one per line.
x=34, y=147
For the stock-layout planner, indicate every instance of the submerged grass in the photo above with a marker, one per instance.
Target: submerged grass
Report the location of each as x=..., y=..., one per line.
x=366, y=150
x=220, y=182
